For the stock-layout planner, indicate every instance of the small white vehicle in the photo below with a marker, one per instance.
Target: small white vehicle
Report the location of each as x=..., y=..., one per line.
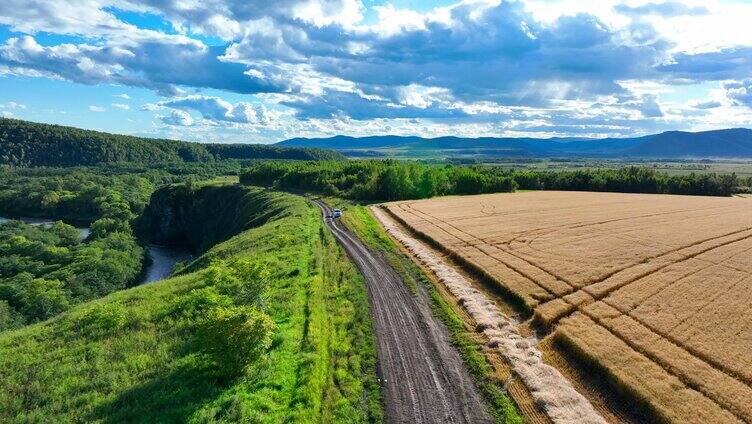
x=336, y=213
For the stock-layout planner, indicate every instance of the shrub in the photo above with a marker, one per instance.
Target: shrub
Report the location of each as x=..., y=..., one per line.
x=42, y=298
x=243, y=280
x=105, y=226
x=199, y=302
x=9, y=318
x=234, y=337
x=105, y=318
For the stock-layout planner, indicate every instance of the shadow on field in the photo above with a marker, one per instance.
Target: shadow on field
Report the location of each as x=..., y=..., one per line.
x=170, y=398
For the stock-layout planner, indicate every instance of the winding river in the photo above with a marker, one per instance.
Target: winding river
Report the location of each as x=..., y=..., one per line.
x=162, y=259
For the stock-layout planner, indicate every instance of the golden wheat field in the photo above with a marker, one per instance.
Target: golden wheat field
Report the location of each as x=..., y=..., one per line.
x=655, y=290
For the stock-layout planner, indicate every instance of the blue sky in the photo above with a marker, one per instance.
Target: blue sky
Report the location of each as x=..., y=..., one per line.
x=260, y=71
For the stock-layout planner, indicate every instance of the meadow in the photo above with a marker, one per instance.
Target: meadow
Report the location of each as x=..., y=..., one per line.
x=651, y=290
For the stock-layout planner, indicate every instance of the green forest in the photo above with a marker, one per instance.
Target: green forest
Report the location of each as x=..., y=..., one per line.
x=384, y=180
x=24, y=143
x=45, y=271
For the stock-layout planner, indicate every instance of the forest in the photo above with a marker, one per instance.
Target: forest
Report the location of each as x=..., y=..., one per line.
x=83, y=194
x=45, y=271
x=383, y=180
x=24, y=143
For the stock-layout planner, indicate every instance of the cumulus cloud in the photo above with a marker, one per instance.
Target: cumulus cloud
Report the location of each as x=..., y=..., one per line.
x=218, y=110
x=740, y=92
x=483, y=64
x=122, y=96
x=727, y=64
x=178, y=118
x=93, y=108
x=649, y=107
x=151, y=63
x=121, y=106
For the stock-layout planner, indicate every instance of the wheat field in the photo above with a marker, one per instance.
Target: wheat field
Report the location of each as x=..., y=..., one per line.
x=653, y=289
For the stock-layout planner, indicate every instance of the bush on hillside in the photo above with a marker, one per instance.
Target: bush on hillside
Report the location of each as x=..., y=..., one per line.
x=234, y=337
x=242, y=279
x=104, y=318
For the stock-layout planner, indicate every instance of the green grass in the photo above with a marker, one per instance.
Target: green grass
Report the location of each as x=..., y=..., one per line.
x=320, y=368
x=360, y=221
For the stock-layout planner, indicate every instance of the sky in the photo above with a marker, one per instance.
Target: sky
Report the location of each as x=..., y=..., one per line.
x=261, y=71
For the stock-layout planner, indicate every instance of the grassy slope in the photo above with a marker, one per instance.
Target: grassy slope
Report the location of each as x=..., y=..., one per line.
x=360, y=220
x=321, y=367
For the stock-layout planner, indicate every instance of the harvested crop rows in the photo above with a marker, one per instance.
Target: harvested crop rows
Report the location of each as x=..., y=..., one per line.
x=655, y=290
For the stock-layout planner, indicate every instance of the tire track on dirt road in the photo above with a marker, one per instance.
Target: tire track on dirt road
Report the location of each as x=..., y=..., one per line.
x=423, y=378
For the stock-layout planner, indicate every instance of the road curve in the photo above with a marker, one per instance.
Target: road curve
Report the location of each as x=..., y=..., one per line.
x=423, y=379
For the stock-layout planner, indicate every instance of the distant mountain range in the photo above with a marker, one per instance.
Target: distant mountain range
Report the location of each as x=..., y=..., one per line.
x=719, y=144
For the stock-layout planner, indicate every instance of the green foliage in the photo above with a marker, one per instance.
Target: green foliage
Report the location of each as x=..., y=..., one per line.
x=377, y=180
x=43, y=271
x=25, y=143
x=242, y=279
x=373, y=180
x=9, y=317
x=629, y=179
x=319, y=367
x=234, y=337
x=198, y=216
x=78, y=196
x=40, y=298
x=196, y=303
x=103, y=318
x=105, y=226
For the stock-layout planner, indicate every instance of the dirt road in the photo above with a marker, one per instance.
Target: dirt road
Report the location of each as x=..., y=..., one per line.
x=422, y=375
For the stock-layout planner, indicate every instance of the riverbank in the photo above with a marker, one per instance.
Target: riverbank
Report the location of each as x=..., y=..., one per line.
x=161, y=259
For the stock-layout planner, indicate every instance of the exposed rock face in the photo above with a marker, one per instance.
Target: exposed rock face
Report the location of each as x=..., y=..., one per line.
x=201, y=217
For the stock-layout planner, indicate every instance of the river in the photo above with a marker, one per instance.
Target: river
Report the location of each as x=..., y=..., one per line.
x=162, y=259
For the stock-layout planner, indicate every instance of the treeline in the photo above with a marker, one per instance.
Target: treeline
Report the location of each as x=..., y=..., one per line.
x=630, y=179
x=377, y=180
x=24, y=143
x=374, y=180
x=77, y=197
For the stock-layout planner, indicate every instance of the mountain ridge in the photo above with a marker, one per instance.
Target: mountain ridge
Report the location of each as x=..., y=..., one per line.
x=726, y=143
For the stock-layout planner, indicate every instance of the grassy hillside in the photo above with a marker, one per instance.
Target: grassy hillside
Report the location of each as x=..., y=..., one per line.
x=24, y=143
x=134, y=355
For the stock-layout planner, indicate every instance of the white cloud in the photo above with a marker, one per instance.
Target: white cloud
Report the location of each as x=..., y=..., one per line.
x=93, y=108
x=12, y=105
x=178, y=118
x=218, y=110
x=480, y=67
